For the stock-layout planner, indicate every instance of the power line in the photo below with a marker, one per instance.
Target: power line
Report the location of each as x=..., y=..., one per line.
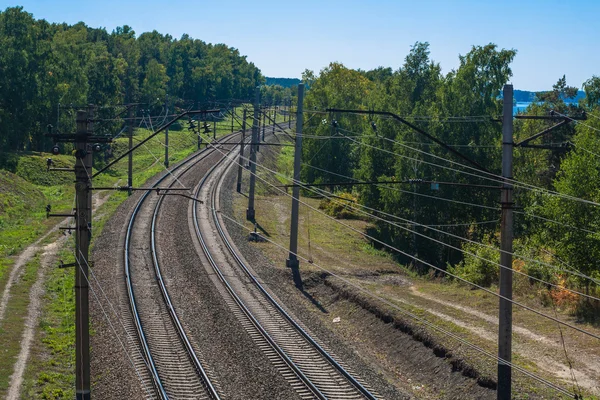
x=578, y=122
x=414, y=316
x=404, y=191
x=491, y=177
x=416, y=258
x=584, y=149
x=556, y=222
x=326, y=137
x=413, y=223
x=113, y=328
x=581, y=275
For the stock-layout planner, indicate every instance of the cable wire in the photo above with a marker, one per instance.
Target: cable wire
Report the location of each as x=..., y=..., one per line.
x=413, y=223
x=415, y=257
x=574, y=272
x=491, y=176
x=414, y=316
x=111, y=325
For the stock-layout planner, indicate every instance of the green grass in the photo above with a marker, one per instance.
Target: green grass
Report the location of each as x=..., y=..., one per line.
x=21, y=209
x=50, y=372
x=349, y=254
x=285, y=164
x=11, y=328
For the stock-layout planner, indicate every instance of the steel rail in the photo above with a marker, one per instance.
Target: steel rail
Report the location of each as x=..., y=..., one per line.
x=296, y=369
x=241, y=304
x=131, y=295
x=211, y=390
x=274, y=302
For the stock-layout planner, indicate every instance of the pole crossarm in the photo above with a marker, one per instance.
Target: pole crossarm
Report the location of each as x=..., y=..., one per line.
x=179, y=194
x=167, y=125
x=524, y=143
x=78, y=137
x=415, y=128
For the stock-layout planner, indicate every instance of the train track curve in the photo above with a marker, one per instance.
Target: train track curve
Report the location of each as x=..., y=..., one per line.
x=307, y=364
x=176, y=369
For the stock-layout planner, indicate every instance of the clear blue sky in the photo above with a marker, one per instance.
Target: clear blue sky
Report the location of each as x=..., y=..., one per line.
x=285, y=37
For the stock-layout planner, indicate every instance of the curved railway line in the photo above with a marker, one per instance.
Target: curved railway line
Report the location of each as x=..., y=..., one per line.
x=175, y=367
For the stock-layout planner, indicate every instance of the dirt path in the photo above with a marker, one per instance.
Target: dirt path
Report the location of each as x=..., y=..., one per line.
x=36, y=293
x=586, y=371
x=17, y=269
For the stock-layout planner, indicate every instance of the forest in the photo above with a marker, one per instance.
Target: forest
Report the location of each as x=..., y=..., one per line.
x=48, y=67
x=423, y=200
x=436, y=208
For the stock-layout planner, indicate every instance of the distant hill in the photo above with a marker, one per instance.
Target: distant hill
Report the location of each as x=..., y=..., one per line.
x=285, y=82
x=524, y=96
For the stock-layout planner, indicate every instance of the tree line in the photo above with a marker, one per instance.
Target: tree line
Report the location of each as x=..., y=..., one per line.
x=460, y=108
x=44, y=65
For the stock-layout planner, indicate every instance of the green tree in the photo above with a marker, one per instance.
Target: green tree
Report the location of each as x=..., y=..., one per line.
x=592, y=91
x=572, y=239
x=154, y=85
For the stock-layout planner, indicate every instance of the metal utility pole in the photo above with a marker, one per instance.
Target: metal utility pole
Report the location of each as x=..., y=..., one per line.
x=292, y=261
x=274, y=118
x=166, y=135
x=83, y=183
x=264, y=116
x=130, y=158
x=250, y=213
x=290, y=113
x=232, y=116
x=241, y=158
x=199, y=136
x=506, y=245
x=83, y=227
x=215, y=129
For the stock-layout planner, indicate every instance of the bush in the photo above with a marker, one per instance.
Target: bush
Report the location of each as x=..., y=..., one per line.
x=340, y=207
x=176, y=126
x=9, y=161
x=475, y=269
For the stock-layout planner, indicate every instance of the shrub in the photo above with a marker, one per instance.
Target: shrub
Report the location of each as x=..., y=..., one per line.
x=475, y=268
x=340, y=207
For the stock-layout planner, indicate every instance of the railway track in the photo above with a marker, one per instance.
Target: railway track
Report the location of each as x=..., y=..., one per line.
x=308, y=365
x=175, y=367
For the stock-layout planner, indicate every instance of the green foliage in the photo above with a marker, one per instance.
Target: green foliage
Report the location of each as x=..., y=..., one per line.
x=559, y=93
x=592, y=91
x=393, y=152
x=574, y=239
x=47, y=66
x=474, y=268
x=340, y=206
x=33, y=168
x=285, y=82
x=276, y=95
